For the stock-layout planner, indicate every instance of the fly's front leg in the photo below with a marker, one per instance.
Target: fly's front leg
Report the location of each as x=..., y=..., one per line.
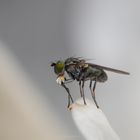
x=69, y=95
x=68, y=81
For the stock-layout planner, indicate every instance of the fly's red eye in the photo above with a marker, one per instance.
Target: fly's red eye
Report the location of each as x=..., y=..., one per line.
x=53, y=64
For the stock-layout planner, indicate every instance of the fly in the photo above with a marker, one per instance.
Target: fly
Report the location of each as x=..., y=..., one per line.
x=80, y=70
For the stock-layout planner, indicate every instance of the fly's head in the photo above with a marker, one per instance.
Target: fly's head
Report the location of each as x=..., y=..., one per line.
x=59, y=71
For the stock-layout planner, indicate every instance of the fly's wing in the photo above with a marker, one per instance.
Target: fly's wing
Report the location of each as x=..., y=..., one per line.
x=108, y=69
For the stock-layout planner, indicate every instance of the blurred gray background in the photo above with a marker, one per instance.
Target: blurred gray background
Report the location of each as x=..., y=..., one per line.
x=108, y=32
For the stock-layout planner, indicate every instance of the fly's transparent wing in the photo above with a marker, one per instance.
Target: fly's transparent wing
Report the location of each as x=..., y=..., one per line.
x=108, y=69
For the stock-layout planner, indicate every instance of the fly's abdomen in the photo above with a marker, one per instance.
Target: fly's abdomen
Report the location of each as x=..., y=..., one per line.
x=102, y=77
x=95, y=74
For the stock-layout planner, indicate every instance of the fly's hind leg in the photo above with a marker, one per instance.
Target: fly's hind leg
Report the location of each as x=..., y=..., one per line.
x=93, y=92
x=94, y=98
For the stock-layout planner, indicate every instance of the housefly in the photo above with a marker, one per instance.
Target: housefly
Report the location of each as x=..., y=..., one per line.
x=80, y=70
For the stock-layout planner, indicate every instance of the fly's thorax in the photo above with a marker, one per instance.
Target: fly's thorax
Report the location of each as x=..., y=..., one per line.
x=73, y=71
x=74, y=60
x=71, y=60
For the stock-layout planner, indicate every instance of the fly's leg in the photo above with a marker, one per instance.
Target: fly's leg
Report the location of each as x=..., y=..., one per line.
x=93, y=94
x=68, y=81
x=83, y=92
x=90, y=87
x=69, y=95
x=80, y=89
x=82, y=79
x=68, y=102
